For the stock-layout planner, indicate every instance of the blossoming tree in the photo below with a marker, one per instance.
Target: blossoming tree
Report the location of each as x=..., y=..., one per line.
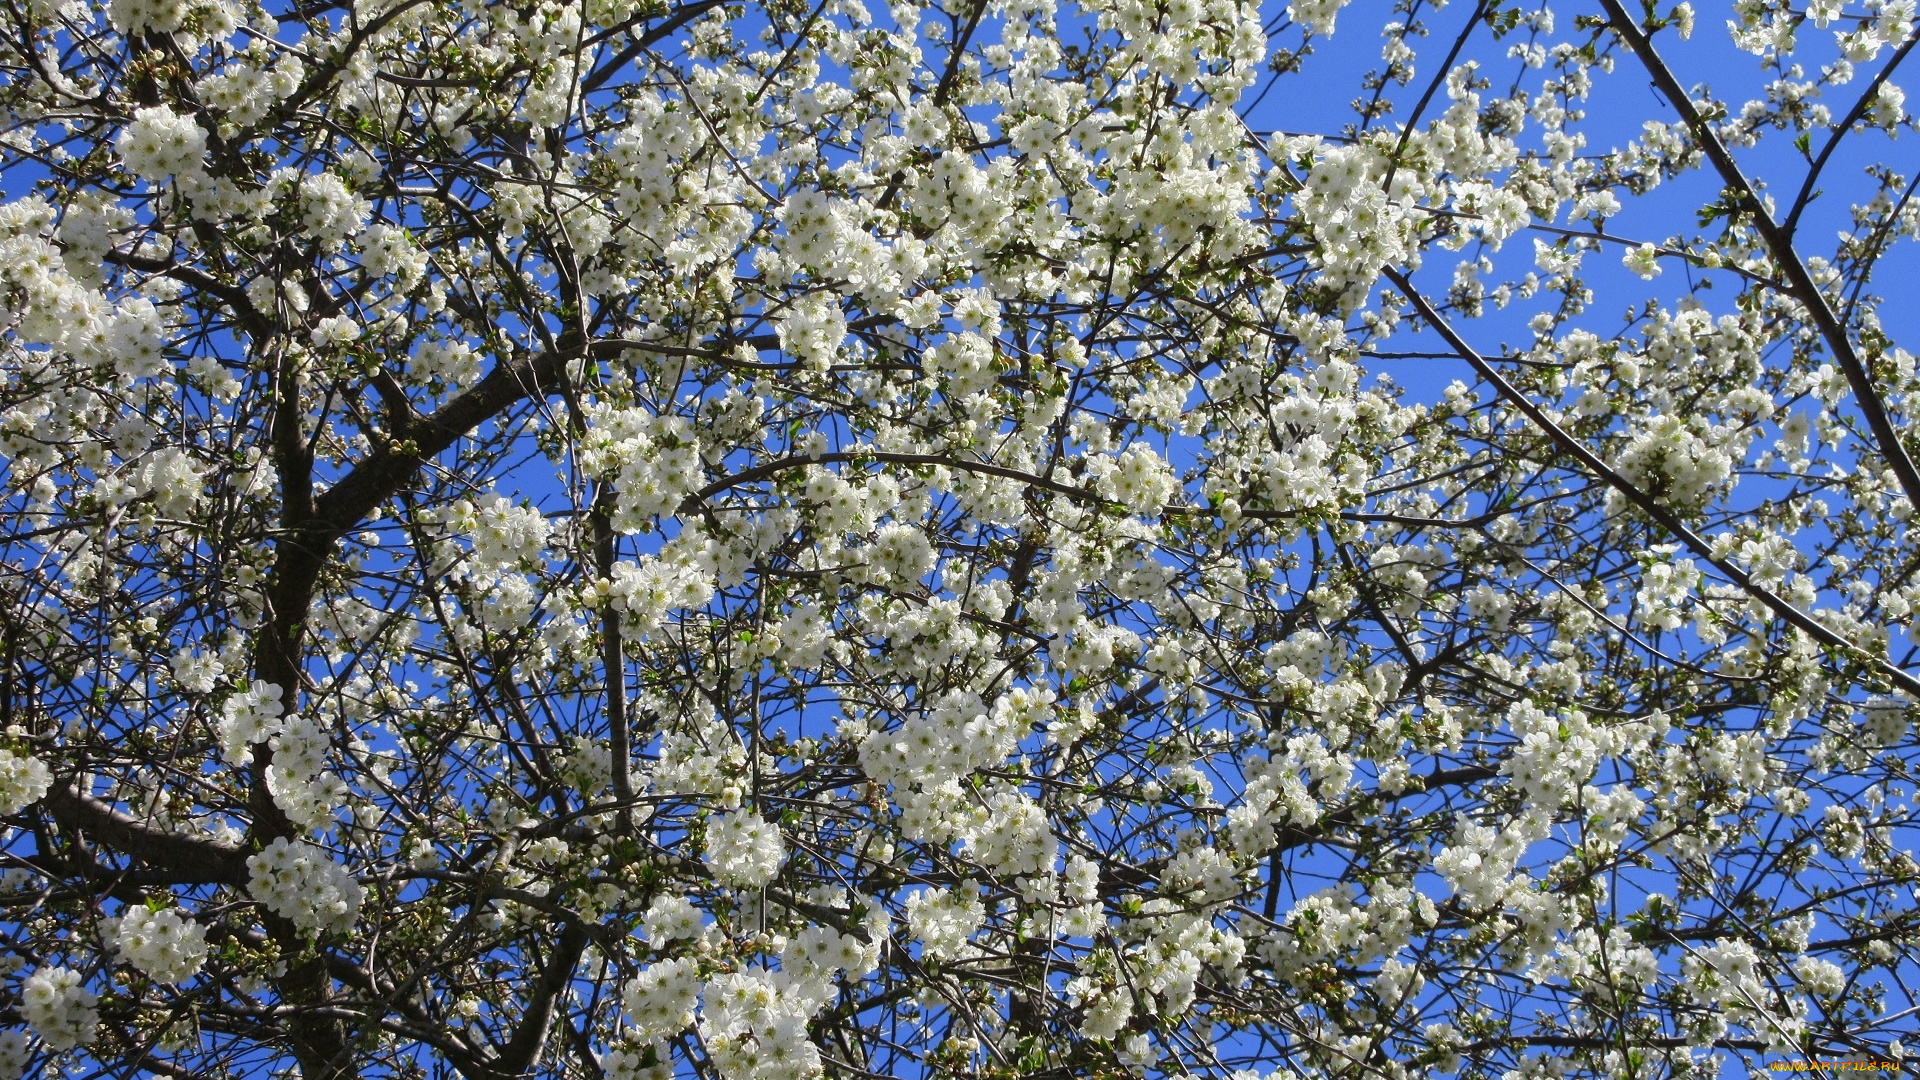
x=644, y=538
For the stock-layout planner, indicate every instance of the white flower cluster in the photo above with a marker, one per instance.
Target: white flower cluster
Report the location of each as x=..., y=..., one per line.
x=1821, y=978
x=1320, y=925
x=1727, y=973
x=1643, y=260
x=671, y=918
x=927, y=759
x=828, y=237
x=653, y=458
x=152, y=16
x=503, y=535
x=298, y=778
x=646, y=590
x=703, y=761
x=49, y=306
x=161, y=143
x=301, y=884
x=1079, y=886
x=1479, y=864
x=754, y=1022
x=660, y=1000
x=587, y=765
x=253, y=84
x=253, y=715
x=743, y=849
x=454, y=363
x=504, y=602
x=1276, y=793
x=1665, y=589
x=16, y=1049
x=967, y=360
x=944, y=920
x=173, y=479
x=653, y=187
x=813, y=329
x=1685, y=460
x=802, y=638
x=1556, y=755
x=190, y=22
x=755, y=1026
x=922, y=638
x=59, y=1007
x=899, y=555
x=24, y=779
x=1887, y=720
x=386, y=250
x=1138, y=479
x=130, y=340
x=841, y=506
x=1622, y=964
x=1360, y=225
x=329, y=211
x=1316, y=15
x=1889, y=107
x=963, y=194
x=1177, y=943
x=91, y=227
x=817, y=953
x=1013, y=835
x=1104, y=1009
x=167, y=947
x=629, y=1062
x=956, y=736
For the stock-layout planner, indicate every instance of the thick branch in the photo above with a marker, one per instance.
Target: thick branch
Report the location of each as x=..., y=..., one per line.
x=194, y=859
x=381, y=475
x=613, y=656
x=642, y=42
x=523, y=1050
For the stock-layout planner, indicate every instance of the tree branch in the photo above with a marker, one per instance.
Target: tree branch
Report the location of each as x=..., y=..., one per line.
x=196, y=860
x=523, y=1049
x=1647, y=503
x=1779, y=243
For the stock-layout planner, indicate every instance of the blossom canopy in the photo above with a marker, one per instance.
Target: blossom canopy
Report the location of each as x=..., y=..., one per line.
x=772, y=540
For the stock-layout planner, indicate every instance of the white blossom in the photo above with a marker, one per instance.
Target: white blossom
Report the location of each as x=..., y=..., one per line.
x=23, y=780
x=943, y=920
x=251, y=716
x=304, y=885
x=167, y=947
x=660, y=999
x=161, y=143
x=59, y=1007
x=16, y=1051
x=743, y=849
